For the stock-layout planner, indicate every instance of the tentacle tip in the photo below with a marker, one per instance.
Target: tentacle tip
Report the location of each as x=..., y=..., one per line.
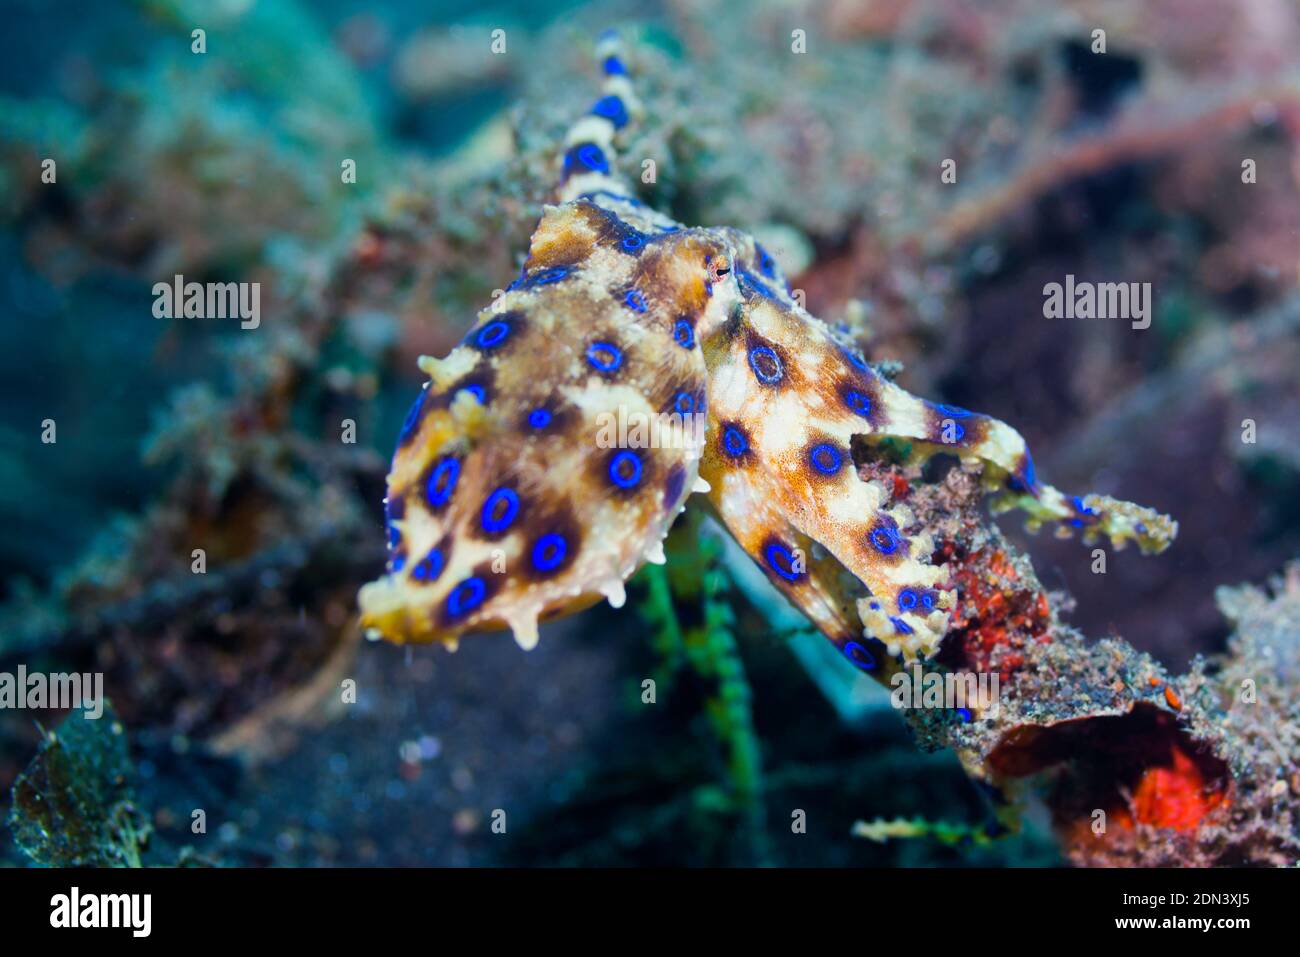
x=615, y=592
x=524, y=628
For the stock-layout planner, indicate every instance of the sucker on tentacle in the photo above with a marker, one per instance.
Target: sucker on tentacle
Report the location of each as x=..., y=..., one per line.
x=636, y=361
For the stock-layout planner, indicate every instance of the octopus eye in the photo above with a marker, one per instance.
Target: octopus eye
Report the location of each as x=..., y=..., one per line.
x=718, y=268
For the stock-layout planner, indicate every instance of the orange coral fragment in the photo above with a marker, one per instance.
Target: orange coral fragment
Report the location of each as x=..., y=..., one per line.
x=1176, y=797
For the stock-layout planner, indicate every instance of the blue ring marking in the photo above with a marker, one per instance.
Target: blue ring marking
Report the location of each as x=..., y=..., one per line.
x=964, y=715
x=397, y=564
x=477, y=391
x=586, y=157
x=766, y=264
x=494, y=522
x=1029, y=480
x=748, y=280
x=825, y=458
x=611, y=108
x=885, y=539
x=734, y=442
x=493, y=334
x=775, y=550
x=855, y=359
x=394, y=537
x=859, y=655
x=1082, y=511
x=430, y=567
x=927, y=601
x=906, y=599
x=540, y=418
x=859, y=402
x=613, y=66
x=412, y=419
x=903, y=627
x=771, y=376
x=549, y=552
x=442, y=482
x=604, y=356
x=683, y=334
x=632, y=242
x=960, y=433
x=635, y=301
x=629, y=462
x=547, y=276
x=684, y=403
x=466, y=596
x=956, y=411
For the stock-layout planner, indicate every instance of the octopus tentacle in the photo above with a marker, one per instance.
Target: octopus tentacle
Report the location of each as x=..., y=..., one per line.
x=552, y=448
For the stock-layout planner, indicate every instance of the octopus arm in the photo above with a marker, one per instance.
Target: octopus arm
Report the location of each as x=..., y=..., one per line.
x=788, y=400
x=539, y=469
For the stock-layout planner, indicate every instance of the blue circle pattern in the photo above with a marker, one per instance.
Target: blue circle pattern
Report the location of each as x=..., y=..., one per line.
x=604, y=356
x=466, y=596
x=857, y=401
x=442, y=482
x=612, y=109
x=625, y=469
x=770, y=372
x=885, y=539
x=430, y=567
x=500, y=510
x=586, y=157
x=825, y=458
x=859, y=655
x=549, y=552
x=493, y=334
x=734, y=441
x=781, y=561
